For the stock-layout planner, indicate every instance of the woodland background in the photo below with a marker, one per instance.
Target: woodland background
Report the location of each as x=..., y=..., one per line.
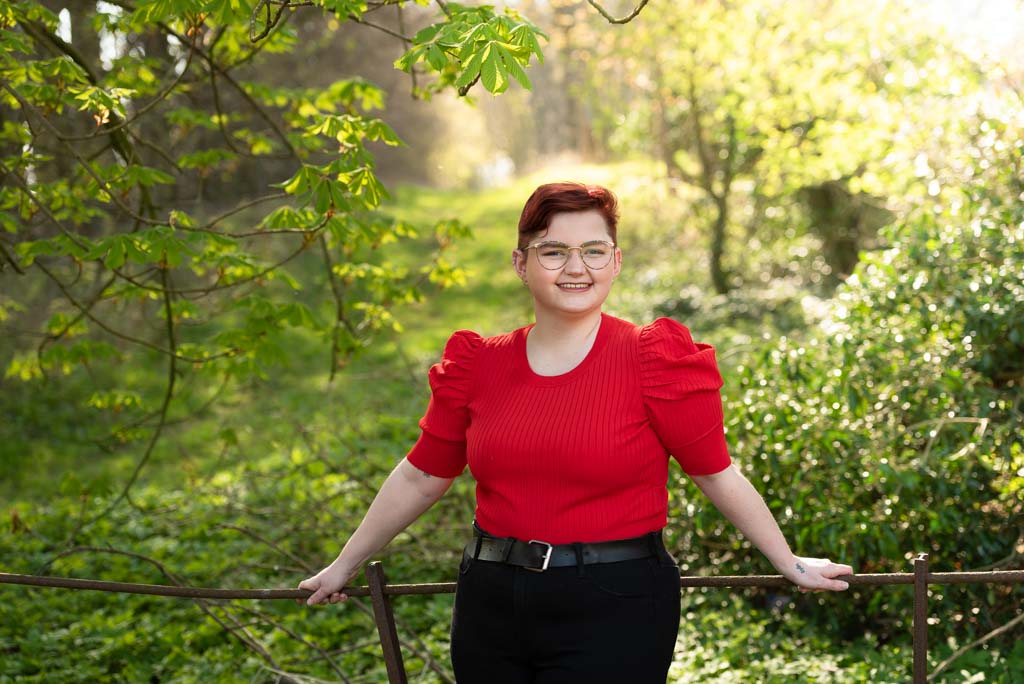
x=235, y=234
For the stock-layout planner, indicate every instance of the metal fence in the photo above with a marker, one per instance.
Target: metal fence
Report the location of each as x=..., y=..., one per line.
x=380, y=593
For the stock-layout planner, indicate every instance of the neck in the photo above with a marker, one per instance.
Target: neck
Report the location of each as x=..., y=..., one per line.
x=561, y=327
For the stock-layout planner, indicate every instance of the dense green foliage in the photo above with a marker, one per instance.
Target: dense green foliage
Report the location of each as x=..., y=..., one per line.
x=893, y=424
x=207, y=390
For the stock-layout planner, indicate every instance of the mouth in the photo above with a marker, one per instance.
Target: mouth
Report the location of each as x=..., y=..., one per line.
x=574, y=287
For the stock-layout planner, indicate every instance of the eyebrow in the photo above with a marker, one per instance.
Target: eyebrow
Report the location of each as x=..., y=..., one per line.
x=548, y=243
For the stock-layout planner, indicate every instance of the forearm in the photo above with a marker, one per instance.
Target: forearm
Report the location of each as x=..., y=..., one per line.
x=404, y=496
x=739, y=502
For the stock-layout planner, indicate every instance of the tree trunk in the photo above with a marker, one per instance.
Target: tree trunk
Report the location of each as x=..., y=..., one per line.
x=719, y=278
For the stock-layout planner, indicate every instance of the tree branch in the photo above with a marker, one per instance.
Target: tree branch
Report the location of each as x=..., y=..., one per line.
x=245, y=205
x=339, y=307
x=172, y=374
x=624, y=20
x=56, y=43
x=263, y=540
x=11, y=260
x=223, y=71
x=127, y=338
x=238, y=630
x=28, y=106
x=270, y=22
x=108, y=129
x=295, y=636
x=978, y=642
x=444, y=8
x=707, y=163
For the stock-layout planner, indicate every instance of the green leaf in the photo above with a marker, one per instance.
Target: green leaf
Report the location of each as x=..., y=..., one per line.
x=436, y=57
x=489, y=70
x=115, y=255
x=302, y=181
x=514, y=68
x=146, y=176
x=471, y=70
x=204, y=159
x=180, y=218
x=8, y=223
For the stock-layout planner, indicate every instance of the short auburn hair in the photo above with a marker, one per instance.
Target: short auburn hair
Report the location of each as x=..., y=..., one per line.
x=566, y=197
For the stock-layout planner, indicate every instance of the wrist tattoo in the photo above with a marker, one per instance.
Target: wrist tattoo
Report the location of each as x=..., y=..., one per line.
x=801, y=569
x=426, y=475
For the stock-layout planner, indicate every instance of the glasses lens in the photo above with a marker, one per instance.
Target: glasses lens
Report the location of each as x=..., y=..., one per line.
x=553, y=255
x=596, y=255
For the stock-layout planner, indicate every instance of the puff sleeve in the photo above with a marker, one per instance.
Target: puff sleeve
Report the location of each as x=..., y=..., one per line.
x=680, y=384
x=441, y=449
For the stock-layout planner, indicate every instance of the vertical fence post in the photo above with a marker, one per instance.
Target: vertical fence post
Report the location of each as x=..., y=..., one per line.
x=385, y=619
x=921, y=618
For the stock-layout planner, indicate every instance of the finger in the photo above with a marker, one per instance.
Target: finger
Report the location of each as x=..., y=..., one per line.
x=835, y=585
x=317, y=597
x=834, y=571
x=308, y=585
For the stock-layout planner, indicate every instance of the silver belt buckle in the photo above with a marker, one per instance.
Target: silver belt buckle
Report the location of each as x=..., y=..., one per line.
x=547, y=555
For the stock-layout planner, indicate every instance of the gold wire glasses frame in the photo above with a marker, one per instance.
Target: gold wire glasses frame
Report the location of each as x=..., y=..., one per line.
x=596, y=254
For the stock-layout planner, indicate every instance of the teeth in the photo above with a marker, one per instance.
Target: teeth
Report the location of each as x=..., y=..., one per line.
x=574, y=286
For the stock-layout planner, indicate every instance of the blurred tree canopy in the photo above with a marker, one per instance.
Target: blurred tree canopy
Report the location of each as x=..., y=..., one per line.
x=156, y=187
x=772, y=118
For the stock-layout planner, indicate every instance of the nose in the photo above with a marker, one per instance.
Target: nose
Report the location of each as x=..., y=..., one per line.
x=574, y=264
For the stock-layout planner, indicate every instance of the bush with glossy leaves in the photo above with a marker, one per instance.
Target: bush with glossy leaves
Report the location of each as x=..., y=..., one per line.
x=893, y=426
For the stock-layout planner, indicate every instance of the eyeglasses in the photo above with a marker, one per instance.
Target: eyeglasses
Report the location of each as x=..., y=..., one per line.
x=596, y=254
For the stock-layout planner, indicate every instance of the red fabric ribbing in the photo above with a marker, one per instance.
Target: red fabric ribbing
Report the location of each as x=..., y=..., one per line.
x=581, y=456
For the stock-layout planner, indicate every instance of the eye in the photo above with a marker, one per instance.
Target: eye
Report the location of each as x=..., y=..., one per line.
x=553, y=250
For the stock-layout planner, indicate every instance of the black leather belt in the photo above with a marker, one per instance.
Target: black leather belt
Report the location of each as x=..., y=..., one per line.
x=540, y=555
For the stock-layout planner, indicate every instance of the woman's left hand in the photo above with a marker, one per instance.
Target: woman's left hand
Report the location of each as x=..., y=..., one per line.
x=816, y=574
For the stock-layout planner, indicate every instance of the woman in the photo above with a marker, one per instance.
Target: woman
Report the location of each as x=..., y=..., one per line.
x=567, y=426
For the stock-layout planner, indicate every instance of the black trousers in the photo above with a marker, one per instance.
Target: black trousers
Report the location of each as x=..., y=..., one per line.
x=607, y=622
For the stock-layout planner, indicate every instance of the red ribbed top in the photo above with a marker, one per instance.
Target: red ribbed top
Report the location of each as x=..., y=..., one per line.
x=581, y=456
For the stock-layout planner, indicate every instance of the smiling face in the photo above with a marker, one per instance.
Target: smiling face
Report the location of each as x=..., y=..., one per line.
x=574, y=289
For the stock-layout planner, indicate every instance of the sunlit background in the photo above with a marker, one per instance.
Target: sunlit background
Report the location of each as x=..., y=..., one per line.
x=223, y=280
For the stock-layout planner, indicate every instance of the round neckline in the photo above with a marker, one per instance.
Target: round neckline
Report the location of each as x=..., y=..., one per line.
x=603, y=330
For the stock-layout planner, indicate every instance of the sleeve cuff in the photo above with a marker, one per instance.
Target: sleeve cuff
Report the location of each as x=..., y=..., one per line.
x=438, y=457
x=706, y=455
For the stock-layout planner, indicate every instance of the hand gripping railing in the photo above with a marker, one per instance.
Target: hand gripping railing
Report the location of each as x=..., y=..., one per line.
x=380, y=592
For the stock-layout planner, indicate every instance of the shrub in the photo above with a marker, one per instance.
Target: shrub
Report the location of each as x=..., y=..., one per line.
x=894, y=425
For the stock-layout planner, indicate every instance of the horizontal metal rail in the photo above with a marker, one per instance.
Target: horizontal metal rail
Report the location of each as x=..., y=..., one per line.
x=726, y=581
x=380, y=592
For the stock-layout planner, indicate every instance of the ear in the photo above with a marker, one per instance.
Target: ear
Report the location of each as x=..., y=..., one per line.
x=617, y=263
x=519, y=263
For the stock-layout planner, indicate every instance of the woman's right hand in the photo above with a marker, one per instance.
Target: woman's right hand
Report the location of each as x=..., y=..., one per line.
x=406, y=493
x=327, y=584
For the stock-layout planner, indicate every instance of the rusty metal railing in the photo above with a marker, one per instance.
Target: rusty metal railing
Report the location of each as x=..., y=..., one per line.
x=380, y=593
x=921, y=578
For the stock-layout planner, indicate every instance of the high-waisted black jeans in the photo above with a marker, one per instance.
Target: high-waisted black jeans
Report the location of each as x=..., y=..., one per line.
x=607, y=622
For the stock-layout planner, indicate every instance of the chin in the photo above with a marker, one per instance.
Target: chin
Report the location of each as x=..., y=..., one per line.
x=579, y=307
